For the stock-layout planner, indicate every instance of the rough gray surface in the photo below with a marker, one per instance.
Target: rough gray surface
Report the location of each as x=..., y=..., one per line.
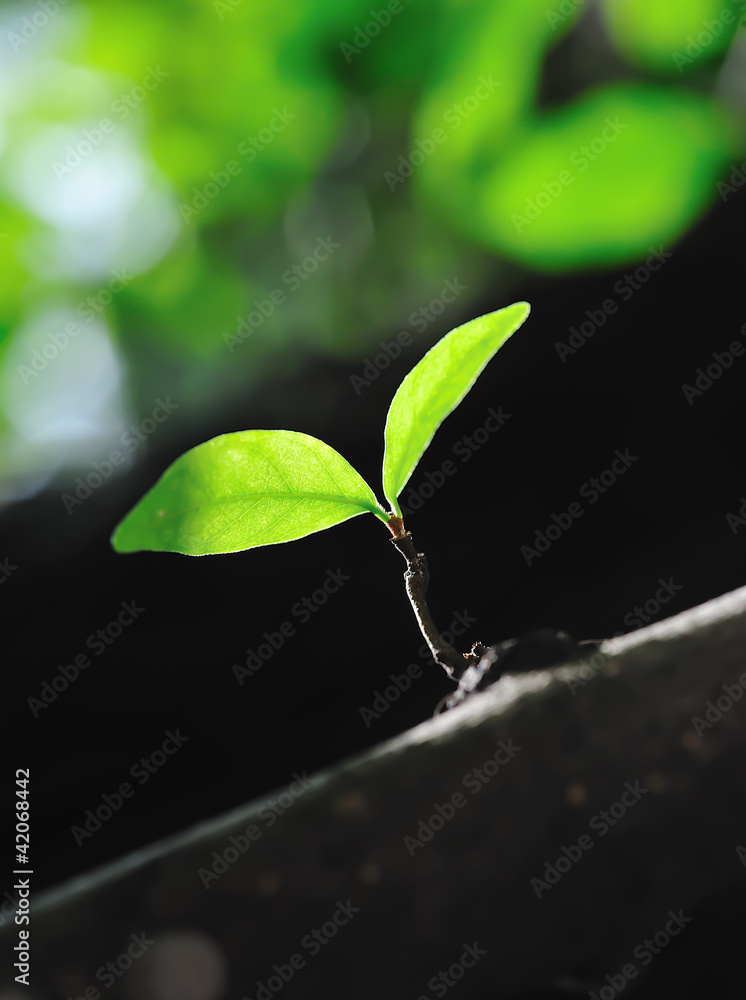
x=581, y=744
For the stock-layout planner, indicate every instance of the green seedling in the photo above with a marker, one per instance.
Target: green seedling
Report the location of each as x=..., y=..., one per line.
x=251, y=488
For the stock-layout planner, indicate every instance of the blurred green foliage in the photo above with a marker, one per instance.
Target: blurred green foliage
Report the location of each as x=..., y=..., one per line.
x=199, y=150
x=669, y=37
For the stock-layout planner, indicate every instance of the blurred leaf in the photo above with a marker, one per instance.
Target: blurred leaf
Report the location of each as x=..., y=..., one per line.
x=188, y=304
x=435, y=387
x=600, y=181
x=15, y=230
x=208, y=112
x=502, y=44
x=311, y=129
x=242, y=490
x=672, y=37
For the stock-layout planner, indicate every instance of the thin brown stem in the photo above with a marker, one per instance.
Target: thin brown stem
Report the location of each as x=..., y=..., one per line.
x=416, y=580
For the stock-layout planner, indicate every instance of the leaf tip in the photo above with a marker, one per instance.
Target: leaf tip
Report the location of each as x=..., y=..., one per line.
x=130, y=535
x=522, y=309
x=119, y=540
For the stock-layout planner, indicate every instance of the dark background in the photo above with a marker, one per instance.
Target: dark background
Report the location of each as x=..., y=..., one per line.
x=173, y=667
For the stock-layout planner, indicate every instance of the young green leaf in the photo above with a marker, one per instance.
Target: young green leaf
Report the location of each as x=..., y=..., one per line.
x=241, y=490
x=435, y=387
